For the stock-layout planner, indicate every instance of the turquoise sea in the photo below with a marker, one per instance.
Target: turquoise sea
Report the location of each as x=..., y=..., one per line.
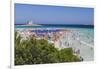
x=85, y=32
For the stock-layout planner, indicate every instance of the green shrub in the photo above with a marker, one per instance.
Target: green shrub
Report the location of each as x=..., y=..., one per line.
x=39, y=51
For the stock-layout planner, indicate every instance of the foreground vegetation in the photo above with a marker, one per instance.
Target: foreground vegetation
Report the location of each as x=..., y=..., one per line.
x=33, y=51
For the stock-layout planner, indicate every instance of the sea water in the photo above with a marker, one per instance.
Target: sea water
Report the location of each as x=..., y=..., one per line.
x=87, y=35
x=84, y=33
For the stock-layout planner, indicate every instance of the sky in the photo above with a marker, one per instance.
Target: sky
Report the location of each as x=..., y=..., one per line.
x=46, y=14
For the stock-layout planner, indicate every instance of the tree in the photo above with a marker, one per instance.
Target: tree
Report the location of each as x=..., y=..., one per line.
x=37, y=51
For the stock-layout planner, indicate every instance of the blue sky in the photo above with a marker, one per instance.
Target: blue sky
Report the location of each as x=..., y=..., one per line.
x=44, y=14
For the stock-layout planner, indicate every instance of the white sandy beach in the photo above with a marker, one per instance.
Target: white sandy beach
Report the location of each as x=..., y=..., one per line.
x=71, y=38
